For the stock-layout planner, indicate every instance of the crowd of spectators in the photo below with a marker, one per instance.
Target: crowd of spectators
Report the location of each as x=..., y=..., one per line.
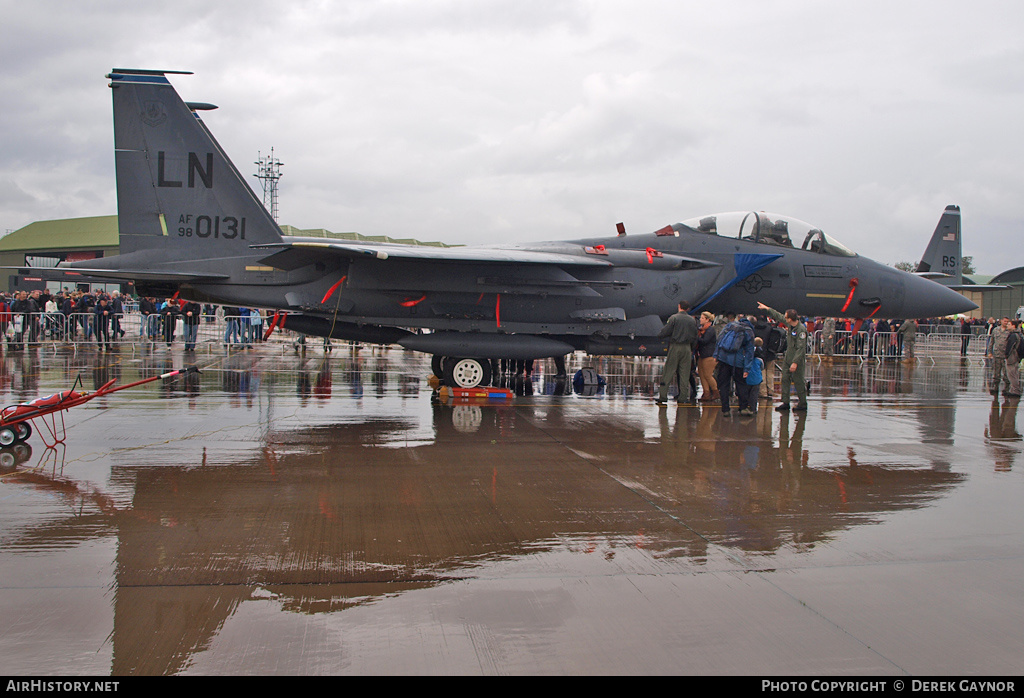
x=877, y=338
x=29, y=317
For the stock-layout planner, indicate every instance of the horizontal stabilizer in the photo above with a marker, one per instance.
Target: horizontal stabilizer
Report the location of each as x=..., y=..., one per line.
x=976, y=287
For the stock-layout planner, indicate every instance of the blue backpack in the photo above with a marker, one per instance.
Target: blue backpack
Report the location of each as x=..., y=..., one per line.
x=730, y=340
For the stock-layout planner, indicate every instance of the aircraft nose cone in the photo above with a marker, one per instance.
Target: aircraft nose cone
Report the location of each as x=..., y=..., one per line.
x=925, y=298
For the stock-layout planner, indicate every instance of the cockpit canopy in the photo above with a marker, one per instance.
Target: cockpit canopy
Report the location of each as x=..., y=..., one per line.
x=768, y=229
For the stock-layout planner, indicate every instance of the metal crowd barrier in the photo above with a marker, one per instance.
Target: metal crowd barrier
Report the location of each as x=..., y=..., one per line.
x=928, y=329
x=20, y=329
x=81, y=330
x=212, y=331
x=847, y=344
x=881, y=346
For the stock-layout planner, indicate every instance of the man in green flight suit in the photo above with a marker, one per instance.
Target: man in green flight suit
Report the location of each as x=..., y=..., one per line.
x=681, y=330
x=796, y=357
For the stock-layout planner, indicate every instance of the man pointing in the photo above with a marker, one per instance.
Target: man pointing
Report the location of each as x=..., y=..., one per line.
x=796, y=357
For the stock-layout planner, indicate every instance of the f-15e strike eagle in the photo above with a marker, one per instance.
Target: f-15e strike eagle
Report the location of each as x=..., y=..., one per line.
x=189, y=223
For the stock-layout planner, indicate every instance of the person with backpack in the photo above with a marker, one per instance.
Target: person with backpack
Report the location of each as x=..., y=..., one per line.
x=999, y=348
x=1014, y=352
x=85, y=310
x=908, y=333
x=794, y=364
x=681, y=330
x=828, y=339
x=773, y=338
x=734, y=351
x=169, y=313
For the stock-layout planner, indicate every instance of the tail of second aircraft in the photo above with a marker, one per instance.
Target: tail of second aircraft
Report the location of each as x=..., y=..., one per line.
x=178, y=193
x=942, y=261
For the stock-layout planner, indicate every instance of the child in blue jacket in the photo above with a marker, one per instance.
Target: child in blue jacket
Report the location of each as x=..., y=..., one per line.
x=753, y=374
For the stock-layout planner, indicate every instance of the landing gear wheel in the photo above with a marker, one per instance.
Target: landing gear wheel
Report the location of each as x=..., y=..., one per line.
x=437, y=365
x=23, y=430
x=467, y=373
x=7, y=436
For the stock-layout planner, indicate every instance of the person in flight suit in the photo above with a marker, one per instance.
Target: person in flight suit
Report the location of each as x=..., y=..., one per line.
x=796, y=357
x=681, y=330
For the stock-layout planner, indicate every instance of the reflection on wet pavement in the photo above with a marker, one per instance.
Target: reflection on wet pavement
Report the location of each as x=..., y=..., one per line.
x=285, y=513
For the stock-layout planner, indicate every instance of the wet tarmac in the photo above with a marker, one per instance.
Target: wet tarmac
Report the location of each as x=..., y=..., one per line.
x=296, y=514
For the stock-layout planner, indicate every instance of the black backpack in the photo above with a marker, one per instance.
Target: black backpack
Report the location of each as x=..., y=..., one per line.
x=1013, y=345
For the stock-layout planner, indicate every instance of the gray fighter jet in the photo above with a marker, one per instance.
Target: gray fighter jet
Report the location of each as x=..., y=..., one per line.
x=190, y=223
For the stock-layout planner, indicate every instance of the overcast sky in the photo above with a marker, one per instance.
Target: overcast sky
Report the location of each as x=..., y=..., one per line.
x=479, y=121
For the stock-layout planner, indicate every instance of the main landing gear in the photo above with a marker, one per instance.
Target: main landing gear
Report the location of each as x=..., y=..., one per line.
x=461, y=372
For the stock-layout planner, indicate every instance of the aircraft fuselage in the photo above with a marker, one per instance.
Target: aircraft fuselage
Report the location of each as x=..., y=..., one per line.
x=631, y=299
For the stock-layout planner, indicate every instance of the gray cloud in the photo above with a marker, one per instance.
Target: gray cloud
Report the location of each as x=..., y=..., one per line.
x=476, y=120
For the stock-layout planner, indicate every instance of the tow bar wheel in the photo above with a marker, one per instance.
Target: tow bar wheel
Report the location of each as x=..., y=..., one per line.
x=7, y=436
x=467, y=373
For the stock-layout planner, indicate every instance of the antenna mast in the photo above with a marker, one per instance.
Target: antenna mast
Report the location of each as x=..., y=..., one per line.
x=269, y=172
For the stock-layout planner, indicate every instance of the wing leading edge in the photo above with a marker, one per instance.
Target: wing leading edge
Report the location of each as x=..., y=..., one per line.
x=298, y=253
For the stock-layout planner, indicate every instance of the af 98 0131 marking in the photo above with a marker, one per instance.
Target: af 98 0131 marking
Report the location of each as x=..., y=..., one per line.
x=203, y=226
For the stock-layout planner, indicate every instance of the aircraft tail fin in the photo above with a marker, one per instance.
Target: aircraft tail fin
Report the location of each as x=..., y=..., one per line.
x=942, y=258
x=177, y=190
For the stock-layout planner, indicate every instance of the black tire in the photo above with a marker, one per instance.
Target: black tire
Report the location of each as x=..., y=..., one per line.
x=23, y=430
x=467, y=373
x=446, y=363
x=8, y=437
x=437, y=365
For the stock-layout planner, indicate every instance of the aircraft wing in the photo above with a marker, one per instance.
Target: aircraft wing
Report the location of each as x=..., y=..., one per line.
x=293, y=255
x=298, y=253
x=120, y=274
